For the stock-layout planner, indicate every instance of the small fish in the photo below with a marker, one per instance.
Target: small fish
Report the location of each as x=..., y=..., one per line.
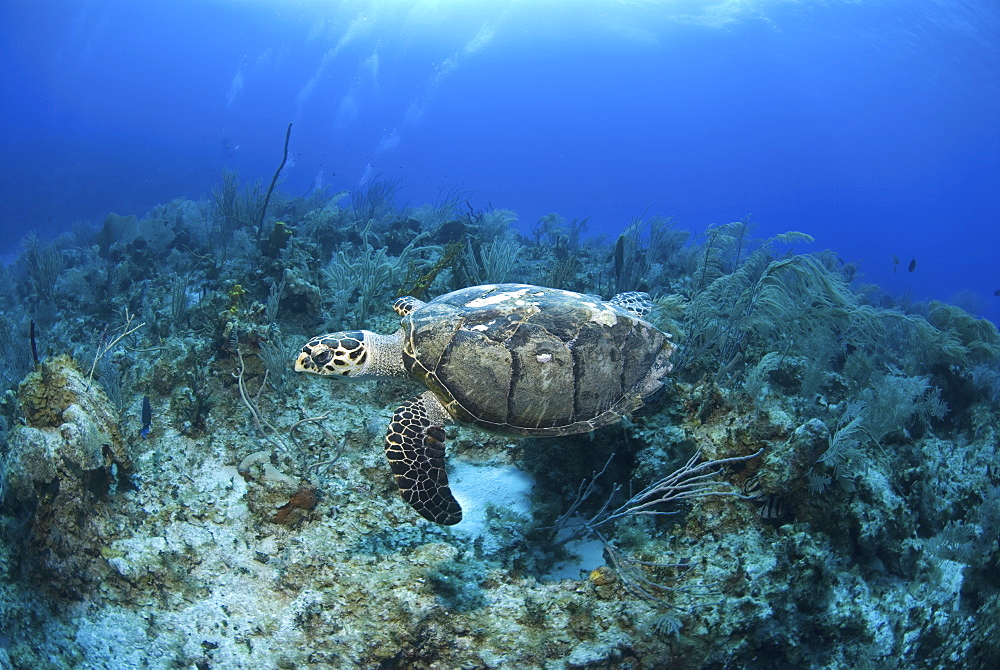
x=912, y=266
x=752, y=488
x=147, y=417
x=895, y=262
x=774, y=508
x=997, y=292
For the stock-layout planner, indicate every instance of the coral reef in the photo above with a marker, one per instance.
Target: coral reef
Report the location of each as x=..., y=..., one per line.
x=256, y=524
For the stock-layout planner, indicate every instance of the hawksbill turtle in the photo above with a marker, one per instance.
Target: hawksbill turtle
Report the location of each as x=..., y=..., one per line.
x=511, y=359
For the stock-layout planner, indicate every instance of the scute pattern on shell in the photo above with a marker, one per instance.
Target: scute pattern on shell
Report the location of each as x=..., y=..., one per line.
x=527, y=360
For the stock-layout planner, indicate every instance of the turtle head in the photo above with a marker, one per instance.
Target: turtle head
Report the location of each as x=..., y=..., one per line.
x=345, y=354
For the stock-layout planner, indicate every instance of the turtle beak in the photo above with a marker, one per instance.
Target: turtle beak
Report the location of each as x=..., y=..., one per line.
x=304, y=362
x=300, y=362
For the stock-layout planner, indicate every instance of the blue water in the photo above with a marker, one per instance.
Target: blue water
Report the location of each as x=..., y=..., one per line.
x=874, y=127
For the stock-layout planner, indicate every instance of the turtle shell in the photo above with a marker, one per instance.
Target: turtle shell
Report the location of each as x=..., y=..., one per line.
x=528, y=360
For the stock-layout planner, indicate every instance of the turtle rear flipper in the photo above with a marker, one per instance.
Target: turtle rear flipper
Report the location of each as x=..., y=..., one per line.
x=414, y=445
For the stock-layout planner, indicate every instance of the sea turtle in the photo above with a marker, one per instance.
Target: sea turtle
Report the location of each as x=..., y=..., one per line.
x=511, y=359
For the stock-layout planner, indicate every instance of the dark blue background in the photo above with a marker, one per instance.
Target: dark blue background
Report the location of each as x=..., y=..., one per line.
x=874, y=127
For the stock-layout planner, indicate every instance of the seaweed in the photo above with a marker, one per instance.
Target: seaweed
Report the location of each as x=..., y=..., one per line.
x=450, y=258
x=267, y=198
x=375, y=200
x=238, y=207
x=488, y=264
x=17, y=352
x=630, y=260
x=44, y=263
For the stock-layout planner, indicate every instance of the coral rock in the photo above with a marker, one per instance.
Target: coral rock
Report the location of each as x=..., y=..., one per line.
x=71, y=429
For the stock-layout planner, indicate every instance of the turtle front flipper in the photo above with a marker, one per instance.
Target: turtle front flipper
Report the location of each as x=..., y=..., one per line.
x=414, y=445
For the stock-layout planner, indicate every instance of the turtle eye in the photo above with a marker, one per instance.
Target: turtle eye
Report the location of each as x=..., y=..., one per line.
x=323, y=357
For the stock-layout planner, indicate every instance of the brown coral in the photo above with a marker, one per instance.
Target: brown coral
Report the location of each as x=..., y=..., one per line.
x=303, y=499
